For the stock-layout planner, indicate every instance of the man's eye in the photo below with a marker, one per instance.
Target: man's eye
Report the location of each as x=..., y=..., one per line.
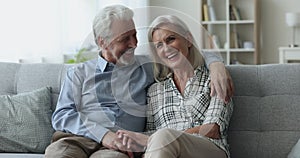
x=127, y=38
x=123, y=39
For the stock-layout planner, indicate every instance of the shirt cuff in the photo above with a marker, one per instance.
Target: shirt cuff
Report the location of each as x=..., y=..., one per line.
x=211, y=57
x=96, y=133
x=216, y=120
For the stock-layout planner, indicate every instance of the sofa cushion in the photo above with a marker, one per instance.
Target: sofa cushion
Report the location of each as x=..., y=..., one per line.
x=265, y=119
x=25, y=121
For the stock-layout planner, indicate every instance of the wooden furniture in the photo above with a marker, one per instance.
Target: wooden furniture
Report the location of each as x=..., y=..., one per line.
x=234, y=28
x=287, y=54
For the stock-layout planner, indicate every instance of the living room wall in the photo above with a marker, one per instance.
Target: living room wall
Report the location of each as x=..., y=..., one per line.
x=275, y=32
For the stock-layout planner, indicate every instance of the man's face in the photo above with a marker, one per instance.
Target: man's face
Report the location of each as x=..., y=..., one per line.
x=120, y=49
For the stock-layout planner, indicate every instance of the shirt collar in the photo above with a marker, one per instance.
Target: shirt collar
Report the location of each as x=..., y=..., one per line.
x=102, y=63
x=196, y=71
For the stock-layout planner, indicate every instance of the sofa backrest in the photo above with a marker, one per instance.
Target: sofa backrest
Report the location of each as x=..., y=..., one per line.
x=265, y=121
x=17, y=78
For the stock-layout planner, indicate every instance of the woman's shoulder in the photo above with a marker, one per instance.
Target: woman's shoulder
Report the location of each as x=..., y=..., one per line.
x=157, y=87
x=201, y=70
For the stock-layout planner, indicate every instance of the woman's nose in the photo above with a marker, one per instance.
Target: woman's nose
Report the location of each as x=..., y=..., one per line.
x=166, y=48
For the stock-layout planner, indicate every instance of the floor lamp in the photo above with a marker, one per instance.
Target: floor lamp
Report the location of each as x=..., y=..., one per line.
x=293, y=20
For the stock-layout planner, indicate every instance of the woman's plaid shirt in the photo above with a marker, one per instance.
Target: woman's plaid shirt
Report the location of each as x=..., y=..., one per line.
x=167, y=108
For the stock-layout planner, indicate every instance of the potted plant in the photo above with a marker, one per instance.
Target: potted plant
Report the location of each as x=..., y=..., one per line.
x=79, y=57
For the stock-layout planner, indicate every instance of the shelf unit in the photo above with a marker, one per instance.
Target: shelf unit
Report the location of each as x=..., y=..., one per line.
x=227, y=30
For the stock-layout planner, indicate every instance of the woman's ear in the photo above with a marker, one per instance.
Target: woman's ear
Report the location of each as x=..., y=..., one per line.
x=189, y=39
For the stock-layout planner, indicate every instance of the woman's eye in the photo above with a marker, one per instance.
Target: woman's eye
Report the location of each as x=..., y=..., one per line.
x=158, y=45
x=170, y=39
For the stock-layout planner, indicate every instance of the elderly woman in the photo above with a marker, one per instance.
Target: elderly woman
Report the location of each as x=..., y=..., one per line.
x=187, y=120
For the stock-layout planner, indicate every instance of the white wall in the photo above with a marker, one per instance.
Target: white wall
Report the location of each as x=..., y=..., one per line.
x=274, y=31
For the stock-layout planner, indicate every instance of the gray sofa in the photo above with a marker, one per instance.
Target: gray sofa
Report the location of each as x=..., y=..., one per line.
x=265, y=122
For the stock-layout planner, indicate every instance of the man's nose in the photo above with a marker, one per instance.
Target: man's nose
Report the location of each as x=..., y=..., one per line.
x=132, y=43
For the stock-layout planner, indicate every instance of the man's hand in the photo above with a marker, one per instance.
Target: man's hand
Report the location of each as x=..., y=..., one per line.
x=221, y=81
x=133, y=140
x=111, y=141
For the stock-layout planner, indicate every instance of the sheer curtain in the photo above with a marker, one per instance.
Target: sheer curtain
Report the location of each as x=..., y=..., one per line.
x=45, y=30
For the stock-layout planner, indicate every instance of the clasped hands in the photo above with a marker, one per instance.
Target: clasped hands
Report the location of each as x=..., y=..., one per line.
x=125, y=141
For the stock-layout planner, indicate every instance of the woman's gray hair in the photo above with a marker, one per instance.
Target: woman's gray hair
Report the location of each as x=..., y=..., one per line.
x=106, y=16
x=161, y=71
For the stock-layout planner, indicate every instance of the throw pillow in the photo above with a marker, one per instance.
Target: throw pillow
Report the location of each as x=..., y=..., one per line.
x=25, y=121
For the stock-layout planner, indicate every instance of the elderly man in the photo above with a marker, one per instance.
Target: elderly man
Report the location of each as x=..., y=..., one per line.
x=104, y=95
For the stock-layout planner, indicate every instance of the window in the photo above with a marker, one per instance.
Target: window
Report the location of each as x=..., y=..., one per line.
x=48, y=29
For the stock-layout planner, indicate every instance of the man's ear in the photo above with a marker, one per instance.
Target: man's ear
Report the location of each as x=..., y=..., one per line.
x=102, y=43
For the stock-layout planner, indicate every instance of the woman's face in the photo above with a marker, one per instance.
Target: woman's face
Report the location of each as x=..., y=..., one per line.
x=172, y=49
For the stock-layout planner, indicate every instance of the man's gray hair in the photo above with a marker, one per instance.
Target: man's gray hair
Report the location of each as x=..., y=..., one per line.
x=106, y=16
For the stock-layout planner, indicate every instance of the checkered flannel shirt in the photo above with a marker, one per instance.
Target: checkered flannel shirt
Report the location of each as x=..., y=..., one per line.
x=167, y=108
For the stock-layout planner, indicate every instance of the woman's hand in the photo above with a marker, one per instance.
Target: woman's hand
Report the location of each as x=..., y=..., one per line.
x=208, y=130
x=133, y=140
x=194, y=130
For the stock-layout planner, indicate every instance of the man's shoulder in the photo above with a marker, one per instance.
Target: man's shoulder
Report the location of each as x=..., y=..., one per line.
x=84, y=67
x=142, y=59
